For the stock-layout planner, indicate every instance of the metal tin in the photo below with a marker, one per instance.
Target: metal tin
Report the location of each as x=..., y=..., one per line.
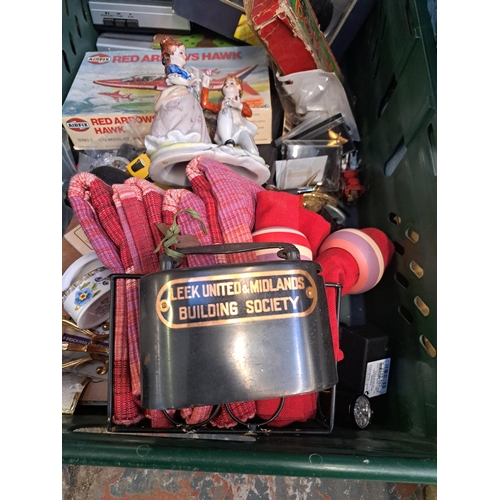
x=238, y=332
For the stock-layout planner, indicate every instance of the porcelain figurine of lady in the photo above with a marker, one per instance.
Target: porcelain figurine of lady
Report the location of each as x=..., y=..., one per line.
x=178, y=114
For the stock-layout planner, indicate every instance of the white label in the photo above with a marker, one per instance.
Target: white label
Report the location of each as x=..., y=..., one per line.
x=377, y=376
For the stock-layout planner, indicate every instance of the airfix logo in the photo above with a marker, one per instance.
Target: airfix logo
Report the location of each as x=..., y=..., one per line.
x=77, y=124
x=99, y=59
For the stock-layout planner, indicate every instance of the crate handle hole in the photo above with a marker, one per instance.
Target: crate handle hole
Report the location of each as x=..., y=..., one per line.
x=372, y=43
x=431, y=136
x=422, y=306
x=401, y=280
x=77, y=24
x=416, y=269
x=380, y=10
x=407, y=315
x=65, y=60
x=387, y=96
x=383, y=28
x=72, y=44
x=82, y=5
x=412, y=235
x=429, y=348
x=394, y=218
x=375, y=73
x=398, y=248
x=408, y=15
x=393, y=162
x=374, y=38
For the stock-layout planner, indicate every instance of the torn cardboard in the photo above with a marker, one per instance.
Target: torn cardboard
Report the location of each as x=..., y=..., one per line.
x=290, y=32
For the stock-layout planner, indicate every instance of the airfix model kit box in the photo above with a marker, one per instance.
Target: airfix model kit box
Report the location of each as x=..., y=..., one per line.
x=111, y=101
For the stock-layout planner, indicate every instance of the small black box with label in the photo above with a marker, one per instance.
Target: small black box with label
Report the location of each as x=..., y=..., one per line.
x=365, y=367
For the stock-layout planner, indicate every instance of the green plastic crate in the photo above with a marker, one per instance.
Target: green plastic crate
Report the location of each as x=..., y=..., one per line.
x=390, y=69
x=78, y=37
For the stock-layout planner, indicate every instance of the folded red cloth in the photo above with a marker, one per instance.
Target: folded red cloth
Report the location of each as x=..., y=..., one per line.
x=93, y=202
x=196, y=415
x=276, y=208
x=230, y=197
x=295, y=409
x=242, y=411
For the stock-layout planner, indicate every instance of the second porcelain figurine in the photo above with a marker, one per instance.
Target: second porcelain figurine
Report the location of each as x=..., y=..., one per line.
x=232, y=126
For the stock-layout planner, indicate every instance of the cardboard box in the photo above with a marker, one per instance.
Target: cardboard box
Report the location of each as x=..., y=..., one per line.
x=112, y=98
x=348, y=18
x=290, y=32
x=196, y=39
x=220, y=16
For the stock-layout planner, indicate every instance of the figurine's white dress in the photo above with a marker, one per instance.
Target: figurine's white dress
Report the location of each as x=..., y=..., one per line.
x=178, y=119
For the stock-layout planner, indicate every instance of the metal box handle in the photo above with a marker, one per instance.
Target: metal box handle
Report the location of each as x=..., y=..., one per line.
x=286, y=251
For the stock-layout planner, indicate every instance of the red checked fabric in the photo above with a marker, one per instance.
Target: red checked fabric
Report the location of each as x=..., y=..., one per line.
x=119, y=222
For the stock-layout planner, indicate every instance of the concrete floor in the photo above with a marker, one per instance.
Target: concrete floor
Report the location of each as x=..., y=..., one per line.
x=105, y=483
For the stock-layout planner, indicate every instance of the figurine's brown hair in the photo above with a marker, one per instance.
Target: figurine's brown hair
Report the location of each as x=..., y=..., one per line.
x=167, y=46
x=239, y=83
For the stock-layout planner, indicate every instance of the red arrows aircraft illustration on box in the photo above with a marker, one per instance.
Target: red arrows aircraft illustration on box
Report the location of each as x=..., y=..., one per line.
x=148, y=82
